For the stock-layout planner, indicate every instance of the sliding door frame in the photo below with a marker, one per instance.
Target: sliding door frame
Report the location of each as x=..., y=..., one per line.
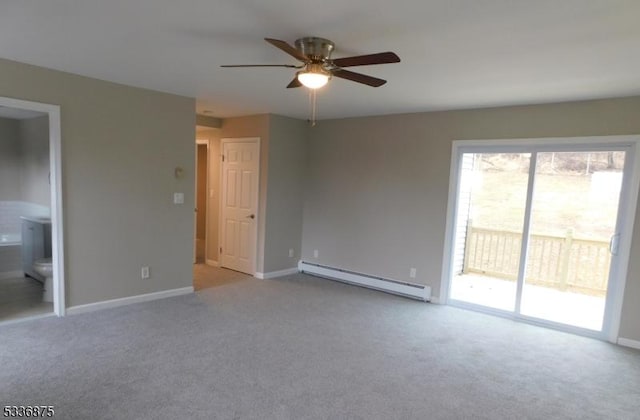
x=626, y=218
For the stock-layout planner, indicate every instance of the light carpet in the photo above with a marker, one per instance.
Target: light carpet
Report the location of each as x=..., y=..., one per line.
x=300, y=347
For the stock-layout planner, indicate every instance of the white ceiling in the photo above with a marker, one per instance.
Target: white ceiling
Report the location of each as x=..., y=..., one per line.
x=455, y=53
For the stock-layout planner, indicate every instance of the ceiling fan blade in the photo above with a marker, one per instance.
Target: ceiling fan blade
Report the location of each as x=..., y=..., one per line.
x=262, y=65
x=358, y=77
x=284, y=46
x=294, y=83
x=365, y=60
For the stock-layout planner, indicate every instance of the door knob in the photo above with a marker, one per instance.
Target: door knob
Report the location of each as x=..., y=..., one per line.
x=251, y=216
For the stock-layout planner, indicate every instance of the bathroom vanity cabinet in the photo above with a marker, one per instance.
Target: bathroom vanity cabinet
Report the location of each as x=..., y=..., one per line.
x=36, y=244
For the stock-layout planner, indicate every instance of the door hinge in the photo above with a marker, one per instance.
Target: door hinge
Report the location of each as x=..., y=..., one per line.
x=223, y=158
x=221, y=250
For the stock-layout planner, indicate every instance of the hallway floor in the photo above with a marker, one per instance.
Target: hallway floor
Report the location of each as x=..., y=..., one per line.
x=200, y=251
x=206, y=276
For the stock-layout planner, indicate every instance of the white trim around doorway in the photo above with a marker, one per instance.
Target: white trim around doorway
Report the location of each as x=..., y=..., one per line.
x=628, y=205
x=55, y=162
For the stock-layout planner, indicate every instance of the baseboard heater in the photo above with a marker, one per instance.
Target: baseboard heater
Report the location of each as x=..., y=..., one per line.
x=415, y=291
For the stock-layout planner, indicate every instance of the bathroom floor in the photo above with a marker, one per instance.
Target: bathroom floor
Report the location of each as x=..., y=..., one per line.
x=22, y=297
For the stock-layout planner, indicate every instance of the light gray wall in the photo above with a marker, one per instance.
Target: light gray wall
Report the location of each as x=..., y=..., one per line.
x=34, y=173
x=377, y=187
x=120, y=146
x=287, y=167
x=10, y=160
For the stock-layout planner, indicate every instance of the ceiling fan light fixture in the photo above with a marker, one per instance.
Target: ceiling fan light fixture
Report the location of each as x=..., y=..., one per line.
x=314, y=76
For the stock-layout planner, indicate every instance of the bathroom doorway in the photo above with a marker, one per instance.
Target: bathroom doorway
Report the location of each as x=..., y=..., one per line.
x=31, y=235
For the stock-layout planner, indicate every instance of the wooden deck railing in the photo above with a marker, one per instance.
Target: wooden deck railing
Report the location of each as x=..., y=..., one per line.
x=563, y=262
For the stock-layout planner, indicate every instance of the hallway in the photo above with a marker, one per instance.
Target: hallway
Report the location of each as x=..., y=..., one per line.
x=206, y=276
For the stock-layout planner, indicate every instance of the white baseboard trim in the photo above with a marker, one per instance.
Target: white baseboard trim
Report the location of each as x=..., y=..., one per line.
x=11, y=274
x=435, y=300
x=415, y=291
x=212, y=263
x=627, y=342
x=113, y=303
x=280, y=273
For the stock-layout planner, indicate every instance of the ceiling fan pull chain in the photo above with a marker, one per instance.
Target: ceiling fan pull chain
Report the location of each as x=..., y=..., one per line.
x=315, y=107
x=313, y=104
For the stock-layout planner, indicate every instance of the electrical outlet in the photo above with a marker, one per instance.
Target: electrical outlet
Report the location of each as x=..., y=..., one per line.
x=144, y=273
x=412, y=273
x=291, y=253
x=315, y=253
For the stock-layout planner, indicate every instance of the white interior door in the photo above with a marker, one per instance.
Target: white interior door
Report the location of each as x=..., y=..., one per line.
x=240, y=175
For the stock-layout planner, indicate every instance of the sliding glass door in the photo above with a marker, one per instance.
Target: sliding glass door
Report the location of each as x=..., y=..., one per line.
x=536, y=231
x=574, y=212
x=491, y=208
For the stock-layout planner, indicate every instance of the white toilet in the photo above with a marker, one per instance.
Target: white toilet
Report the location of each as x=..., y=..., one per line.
x=44, y=267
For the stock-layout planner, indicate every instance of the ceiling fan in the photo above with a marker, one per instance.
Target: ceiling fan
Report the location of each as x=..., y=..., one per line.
x=318, y=67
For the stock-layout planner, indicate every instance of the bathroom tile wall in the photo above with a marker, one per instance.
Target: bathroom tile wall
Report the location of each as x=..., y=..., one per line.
x=24, y=171
x=10, y=212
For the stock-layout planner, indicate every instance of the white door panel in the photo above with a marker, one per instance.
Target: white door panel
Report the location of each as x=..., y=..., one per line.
x=240, y=171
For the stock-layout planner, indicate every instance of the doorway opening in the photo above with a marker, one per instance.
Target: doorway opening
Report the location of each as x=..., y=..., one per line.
x=31, y=234
x=211, y=268
x=207, y=197
x=539, y=230
x=202, y=171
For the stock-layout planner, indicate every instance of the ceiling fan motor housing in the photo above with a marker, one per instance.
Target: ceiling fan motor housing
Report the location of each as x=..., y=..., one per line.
x=317, y=49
